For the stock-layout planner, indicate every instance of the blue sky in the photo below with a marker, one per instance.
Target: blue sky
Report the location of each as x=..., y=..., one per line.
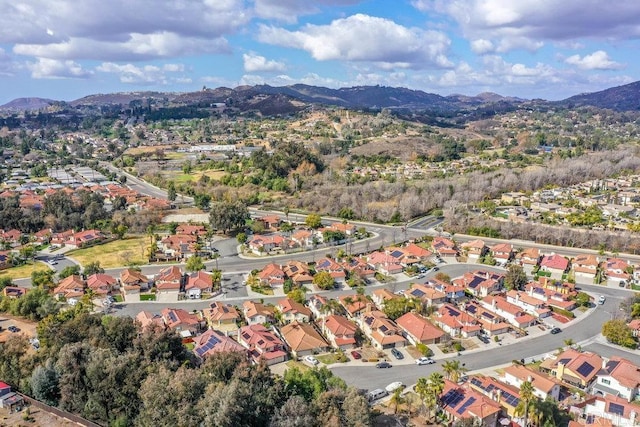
x=550, y=49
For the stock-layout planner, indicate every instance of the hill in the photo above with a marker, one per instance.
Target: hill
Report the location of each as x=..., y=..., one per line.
x=20, y=104
x=619, y=98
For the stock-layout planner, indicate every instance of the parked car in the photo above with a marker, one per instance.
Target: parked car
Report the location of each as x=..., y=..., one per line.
x=556, y=331
x=382, y=365
x=397, y=354
x=425, y=361
x=356, y=355
x=311, y=359
x=394, y=386
x=52, y=262
x=13, y=328
x=602, y=299
x=376, y=394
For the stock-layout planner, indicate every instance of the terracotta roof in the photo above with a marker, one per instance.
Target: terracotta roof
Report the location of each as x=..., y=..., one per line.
x=538, y=380
x=288, y=305
x=554, y=261
x=302, y=337
x=419, y=327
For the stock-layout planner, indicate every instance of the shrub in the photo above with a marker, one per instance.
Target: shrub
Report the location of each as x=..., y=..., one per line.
x=424, y=350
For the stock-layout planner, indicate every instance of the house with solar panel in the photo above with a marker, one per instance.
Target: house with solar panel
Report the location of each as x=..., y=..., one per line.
x=330, y=266
x=383, y=332
x=462, y=402
x=618, y=377
x=492, y=324
x=507, y=396
x=262, y=344
x=445, y=248
x=455, y=322
x=428, y=295
x=573, y=367
x=222, y=317
x=212, y=342
x=386, y=262
x=543, y=386
x=182, y=321
x=340, y=331
x=616, y=410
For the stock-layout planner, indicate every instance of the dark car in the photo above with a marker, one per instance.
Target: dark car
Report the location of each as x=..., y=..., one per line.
x=381, y=365
x=356, y=355
x=556, y=331
x=13, y=329
x=397, y=354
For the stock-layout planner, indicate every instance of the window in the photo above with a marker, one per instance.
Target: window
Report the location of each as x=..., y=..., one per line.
x=605, y=381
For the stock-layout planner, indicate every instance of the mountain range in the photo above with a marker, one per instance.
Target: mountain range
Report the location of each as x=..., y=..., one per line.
x=284, y=99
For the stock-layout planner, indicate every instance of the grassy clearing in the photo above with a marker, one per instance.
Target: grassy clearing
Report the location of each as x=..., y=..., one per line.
x=332, y=358
x=147, y=297
x=128, y=251
x=182, y=178
x=23, y=271
x=295, y=364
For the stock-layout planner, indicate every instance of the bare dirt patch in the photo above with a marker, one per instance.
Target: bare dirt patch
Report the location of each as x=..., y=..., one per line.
x=40, y=419
x=27, y=327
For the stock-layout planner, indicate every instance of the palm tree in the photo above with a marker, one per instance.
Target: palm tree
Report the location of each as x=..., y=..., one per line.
x=436, y=386
x=526, y=399
x=569, y=342
x=422, y=388
x=453, y=370
x=397, y=399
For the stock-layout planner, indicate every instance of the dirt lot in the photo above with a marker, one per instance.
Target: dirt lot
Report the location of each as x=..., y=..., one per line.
x=40, y=419
x=27, y=328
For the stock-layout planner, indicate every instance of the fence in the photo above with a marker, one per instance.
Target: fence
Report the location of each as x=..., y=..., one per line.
x=62, y=414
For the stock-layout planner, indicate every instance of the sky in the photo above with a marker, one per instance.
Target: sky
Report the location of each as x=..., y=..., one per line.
x=549, y=49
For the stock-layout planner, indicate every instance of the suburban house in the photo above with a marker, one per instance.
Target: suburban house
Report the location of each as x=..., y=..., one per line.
x=262, y=344
x=512, y=313
x=543, y=386
x=452, y=292
x=131, y=283
x=506, y=395
x=383, y=332
x=198, y=283
x=69, y=288
x=181, y=321
x=555, y=264
x=417, y=329
x=347, y=229
x=426, y=294
x=381, y=296
x=303, y=238
x=100, y=283
x=14, y=292
x=615, y=410
x=271, y=275
x=618, y=377
x=355, y=305
x=269, y=222
x=177, y=246
x=148, y=320
x=474, y=250
x=480, y=283
x=634, y=325
x=456, y=322
x=616, y=270
x=573, y=367
x=332, y=267
x=502, y=252
x=316, y=304
x=292, y=311
x=528, y=258
x=84, y=238
x=169, y=283
x=461, y=403
x=445, y=248
x=357, y=266
x=340, y=331
x=255, y=312
x=222, y=317
x=262, y=244
x=585, y=267
x=303, y=339
x=414, y=253
x=386, y=262
x=491, y=323
x=551, y=297
x=10, y=400
x=211, y=342
x=298, y=272
x=534, y=306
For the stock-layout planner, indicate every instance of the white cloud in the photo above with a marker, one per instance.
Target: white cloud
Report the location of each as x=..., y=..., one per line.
x=482, y=46
x=118, y=30
x=45, y=68
x=598, y=60
x=365, y=38
x=255, y=63
x=144, y=75
x=528, y=23
x=289, y=10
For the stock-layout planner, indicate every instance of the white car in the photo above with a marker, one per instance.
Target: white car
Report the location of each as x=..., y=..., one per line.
x=311, y=359
x=425, y=361
x=602, y=299
x=393, y=386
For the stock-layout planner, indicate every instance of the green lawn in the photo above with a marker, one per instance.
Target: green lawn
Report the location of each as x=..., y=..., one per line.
x=147, y=297
x=332, y=358
x=129, y=251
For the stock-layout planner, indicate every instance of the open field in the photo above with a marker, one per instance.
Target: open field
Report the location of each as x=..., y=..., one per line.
x=129, y=251
x=23, y=271
x=195, y=176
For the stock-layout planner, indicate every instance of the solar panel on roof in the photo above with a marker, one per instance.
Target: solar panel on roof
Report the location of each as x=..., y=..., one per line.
x=472, y=309
x=614, y=408
x=585, y=369
x=510, y=399
x=564, y=361
x=476, y=382
x=452, y=398
x=417, y=293
x=611, y=365
x=173, y=317
x=465, y=405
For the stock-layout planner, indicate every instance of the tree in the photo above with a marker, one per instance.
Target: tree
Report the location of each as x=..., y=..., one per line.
x=527, y=397
x=515, y=278
x=295, y=412
x=443, y=277
x=453, y=370
x=297, y=295
x=226, y=216
x=44, y=384
x=69, y=271
x=171, y=191
x=396, y=307
x=194, y=263
x=242, y=238
x=397, y=399
x=323, y=280
x=313, y=221
x=617, y=332
x=93, y=268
